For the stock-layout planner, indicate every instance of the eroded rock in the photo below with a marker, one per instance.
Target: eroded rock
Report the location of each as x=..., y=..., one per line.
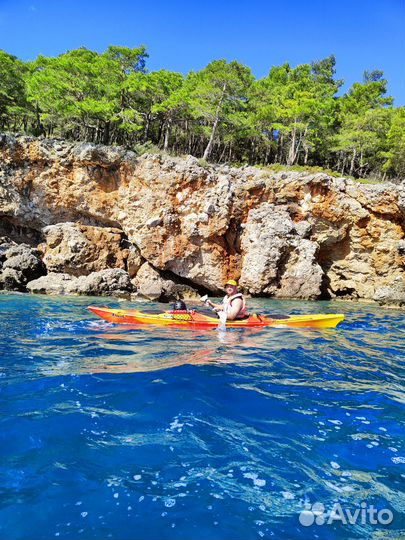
x=19, y=265
x=54, y=283
x=79, y=250
x=277, y=260
x=105, y=282
x=285, y=234
x=150, y=284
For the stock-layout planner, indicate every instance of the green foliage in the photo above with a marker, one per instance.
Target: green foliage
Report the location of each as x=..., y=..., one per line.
x=395, y=154
x=364, y=122
x=12, y=90
x=203, y=163
x=146, y=148
x=292, y=119
x=277, y=167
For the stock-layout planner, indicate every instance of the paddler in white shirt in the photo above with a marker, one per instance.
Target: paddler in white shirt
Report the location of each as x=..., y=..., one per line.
x=233, y=304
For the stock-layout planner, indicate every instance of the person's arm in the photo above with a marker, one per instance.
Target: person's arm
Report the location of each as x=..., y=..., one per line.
x=236, y=307
x=218, y=307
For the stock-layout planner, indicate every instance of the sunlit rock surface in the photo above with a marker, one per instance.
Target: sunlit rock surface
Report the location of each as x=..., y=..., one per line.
x=92, y=208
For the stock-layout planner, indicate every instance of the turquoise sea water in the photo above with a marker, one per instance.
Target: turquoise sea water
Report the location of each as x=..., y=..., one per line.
x=169, y=433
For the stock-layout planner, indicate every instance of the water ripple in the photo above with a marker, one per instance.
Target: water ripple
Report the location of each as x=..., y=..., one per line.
x=171, y=433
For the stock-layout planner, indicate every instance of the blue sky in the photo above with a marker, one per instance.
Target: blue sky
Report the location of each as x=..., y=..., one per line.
x=186, y=35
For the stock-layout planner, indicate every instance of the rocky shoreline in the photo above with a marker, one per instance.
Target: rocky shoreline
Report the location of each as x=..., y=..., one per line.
x=90, y=219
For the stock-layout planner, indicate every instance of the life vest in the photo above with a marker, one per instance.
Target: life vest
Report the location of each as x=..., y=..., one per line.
x=227, y=303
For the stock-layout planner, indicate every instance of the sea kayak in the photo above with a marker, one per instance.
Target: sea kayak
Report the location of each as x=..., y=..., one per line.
x=198, y=320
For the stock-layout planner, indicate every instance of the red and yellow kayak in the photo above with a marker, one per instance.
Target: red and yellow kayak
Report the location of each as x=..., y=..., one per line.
x=198, y=320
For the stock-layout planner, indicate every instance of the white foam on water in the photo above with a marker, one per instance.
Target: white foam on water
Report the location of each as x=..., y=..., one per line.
x=287, y=495
x=175, y=425
x=256, y=480
x=259, y=482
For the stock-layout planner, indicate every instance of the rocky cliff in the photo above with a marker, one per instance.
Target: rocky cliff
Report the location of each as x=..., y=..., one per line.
x=101, y=219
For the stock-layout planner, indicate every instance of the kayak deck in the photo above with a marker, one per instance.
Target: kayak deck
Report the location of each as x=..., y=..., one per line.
x=197, y=320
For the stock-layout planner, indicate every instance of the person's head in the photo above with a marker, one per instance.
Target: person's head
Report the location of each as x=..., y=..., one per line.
x=179, y=305
x=231, y=287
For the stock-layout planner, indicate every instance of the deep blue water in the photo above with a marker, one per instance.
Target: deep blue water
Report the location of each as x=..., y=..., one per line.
x=166, y=433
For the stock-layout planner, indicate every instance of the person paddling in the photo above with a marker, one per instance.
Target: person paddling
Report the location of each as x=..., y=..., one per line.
x=233, y=304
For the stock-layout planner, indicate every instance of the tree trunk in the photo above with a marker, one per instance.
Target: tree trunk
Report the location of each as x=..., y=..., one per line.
x=167, y=134
x=291, y=153
x=352, y=163
x=343, y=164
x=208, y=148
x=106, y=134
x=279, y=156
x=306, y=155
x=223, y=154
x=145, y=138
x=306, y=147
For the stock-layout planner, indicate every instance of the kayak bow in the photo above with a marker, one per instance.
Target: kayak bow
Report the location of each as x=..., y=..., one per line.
x=197, y=320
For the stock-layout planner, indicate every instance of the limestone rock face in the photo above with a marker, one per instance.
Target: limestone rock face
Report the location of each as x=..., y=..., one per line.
x=150, y=284
x=303, y=276
x=105, y=282
x=11, y=280
x=134, y=260
x=285, y=234
x=79, y=249
x=53, y=283
x=277, y=260
x=18, y=265
x=394, y=294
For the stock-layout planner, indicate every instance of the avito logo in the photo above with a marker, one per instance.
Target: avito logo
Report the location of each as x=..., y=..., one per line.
x=364, y=514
